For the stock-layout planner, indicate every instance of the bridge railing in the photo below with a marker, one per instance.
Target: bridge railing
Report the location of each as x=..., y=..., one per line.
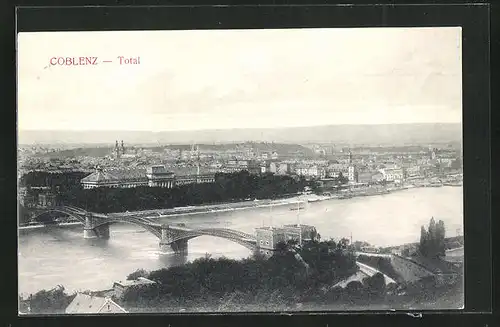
x=154, y=229
x=228, y=233
x=242, y=238
x=232, y=232
x=248, y=242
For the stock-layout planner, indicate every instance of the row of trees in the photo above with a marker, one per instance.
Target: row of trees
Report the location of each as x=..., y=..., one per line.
x=226, y=188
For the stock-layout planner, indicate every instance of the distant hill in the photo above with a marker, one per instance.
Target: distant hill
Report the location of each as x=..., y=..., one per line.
x=95, y=152
x=396, y=134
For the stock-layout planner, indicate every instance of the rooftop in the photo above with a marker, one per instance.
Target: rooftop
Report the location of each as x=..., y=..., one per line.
x=158, y=169
x=184, y=171
x=116, y=175
x=139, y=174
x=83, y=303
x=138, y=281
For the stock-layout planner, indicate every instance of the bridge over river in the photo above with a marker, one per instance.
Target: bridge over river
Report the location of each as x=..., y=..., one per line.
x=96, y=225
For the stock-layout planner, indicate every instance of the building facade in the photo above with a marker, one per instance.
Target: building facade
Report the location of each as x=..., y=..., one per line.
x=194, y=179
x=251, y=166
x=269, y=237
x=25, y=199
x=158, y=176
x=120, y=287
x=395, y=175
x=46, y=200
x=154, y=176
x=284, y=169
x=352, y=174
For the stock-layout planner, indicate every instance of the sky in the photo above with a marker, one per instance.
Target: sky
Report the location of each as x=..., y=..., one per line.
x=221, y=79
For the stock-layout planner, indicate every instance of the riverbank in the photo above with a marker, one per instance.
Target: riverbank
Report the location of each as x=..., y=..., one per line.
x=298, y=199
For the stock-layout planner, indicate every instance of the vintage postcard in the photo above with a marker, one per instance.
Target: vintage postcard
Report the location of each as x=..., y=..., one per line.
x=240, y=170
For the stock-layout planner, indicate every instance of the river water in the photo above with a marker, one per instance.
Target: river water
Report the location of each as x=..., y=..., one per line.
x=55, y=255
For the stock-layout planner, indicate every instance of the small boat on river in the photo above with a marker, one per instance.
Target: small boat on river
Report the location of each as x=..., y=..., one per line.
x=299, y=206
x=455, y=184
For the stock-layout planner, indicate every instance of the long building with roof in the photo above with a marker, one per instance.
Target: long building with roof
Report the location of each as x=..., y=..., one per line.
x=154, y=176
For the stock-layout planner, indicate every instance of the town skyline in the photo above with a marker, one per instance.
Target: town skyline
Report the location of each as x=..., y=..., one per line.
x=268, y=79
x=356, y=134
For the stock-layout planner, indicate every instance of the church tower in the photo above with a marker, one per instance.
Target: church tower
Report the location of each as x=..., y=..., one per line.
x=352, y=172
x=117, y=150
x=123, y=148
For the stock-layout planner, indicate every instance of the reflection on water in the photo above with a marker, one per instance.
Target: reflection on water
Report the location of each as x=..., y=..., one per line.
x=171, y=259
x=60, y=255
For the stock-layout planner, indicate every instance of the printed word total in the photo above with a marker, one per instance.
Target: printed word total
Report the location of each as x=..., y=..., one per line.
x=85, y=61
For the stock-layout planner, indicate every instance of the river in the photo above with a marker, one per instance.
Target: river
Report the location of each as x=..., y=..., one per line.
x=59, y=255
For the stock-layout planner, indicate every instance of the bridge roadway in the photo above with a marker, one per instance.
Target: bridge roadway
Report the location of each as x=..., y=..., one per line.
x=372, y=254
x=174, y=236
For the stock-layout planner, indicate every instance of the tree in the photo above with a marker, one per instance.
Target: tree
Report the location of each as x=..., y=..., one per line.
x=316, y=187
x=354, y=289
x=342, y=179
x=376, y=285
x=432, y=241
x=138, y=273
x=227, y=187
x=52, y=301
x=358, y=245
x=343, y=243
x=440, y=238
x=423, y=241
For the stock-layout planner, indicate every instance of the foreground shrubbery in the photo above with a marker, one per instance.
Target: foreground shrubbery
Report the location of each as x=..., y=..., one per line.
x=255, y=280
x=53, y=301
x=260, y=284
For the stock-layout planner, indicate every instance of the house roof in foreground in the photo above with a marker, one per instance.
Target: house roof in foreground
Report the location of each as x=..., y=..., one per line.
x=85, y=304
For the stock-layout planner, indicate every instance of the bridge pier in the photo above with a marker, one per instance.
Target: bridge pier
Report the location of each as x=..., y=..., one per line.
x=168, y=241
x=102, y=231
x=91, y=231
x=179, y=247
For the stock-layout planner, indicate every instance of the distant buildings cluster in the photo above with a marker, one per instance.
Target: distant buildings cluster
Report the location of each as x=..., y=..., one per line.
x=42, y=199
x=153, y=176
x=168, y=167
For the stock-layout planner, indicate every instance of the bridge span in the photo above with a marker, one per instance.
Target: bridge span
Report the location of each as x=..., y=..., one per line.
x=96, y=225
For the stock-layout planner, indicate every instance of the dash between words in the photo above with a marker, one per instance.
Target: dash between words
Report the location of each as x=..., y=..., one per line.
x=86, y=61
